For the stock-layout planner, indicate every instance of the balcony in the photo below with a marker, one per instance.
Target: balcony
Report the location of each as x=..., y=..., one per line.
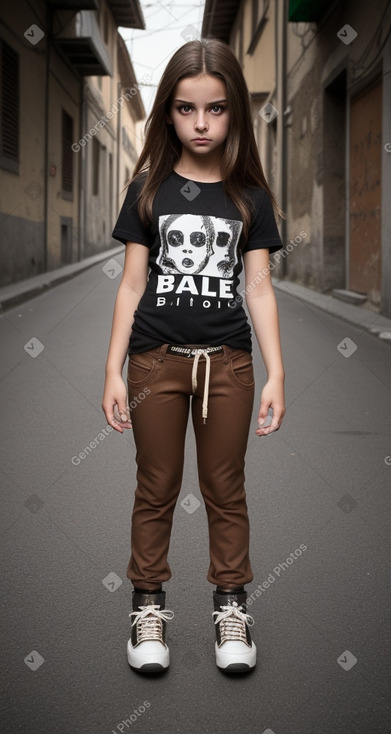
x=82, y=43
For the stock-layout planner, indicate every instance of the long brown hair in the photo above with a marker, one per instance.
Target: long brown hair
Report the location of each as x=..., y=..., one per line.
x=240, y=166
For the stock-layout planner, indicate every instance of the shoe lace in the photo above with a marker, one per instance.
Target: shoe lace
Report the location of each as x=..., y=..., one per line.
x=233, y=622
x=149, y=621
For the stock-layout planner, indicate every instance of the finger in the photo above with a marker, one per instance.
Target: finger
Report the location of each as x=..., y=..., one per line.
x=274, y=426
x=112, y=421
x=263, y=412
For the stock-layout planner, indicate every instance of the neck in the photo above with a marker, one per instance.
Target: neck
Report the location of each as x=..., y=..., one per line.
x=206, y=169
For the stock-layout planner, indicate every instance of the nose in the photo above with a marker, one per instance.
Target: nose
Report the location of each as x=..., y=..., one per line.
x=201, y=123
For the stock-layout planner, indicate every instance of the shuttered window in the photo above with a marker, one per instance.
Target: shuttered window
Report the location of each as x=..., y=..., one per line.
x=9, y=103
x=67, y=153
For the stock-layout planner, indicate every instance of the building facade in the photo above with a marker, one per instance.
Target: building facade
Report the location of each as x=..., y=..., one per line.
x=320, y=83
x=71, y=113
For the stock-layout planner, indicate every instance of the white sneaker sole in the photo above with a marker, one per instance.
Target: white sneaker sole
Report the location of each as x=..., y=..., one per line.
x=148, y=662
x=241, y=661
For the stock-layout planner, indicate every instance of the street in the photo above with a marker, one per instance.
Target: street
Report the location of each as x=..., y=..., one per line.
x=318, y=494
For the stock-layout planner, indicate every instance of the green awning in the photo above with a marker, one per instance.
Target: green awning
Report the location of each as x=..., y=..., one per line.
x=307, y=11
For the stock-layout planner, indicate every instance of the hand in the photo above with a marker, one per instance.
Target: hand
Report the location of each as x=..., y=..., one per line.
x=114, y=403
x=272, y=397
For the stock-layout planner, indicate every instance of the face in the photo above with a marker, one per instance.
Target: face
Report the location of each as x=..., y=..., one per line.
x=199, y=113
x=189, y=243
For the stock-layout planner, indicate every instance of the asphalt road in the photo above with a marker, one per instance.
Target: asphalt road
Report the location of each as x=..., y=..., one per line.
x=318, y=493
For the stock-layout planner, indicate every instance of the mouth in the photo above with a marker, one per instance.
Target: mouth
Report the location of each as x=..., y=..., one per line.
x=187, y=262
x=201, y=140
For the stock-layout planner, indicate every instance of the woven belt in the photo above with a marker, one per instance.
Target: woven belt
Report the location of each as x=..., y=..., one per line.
x=197, y=353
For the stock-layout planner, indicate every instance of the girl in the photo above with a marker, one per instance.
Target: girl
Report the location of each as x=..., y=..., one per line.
x=197, y=208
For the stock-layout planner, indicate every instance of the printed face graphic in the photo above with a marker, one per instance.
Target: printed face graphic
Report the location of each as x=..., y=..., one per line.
x=198, y=244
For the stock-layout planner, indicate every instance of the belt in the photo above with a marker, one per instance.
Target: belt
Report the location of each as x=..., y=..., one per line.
x=197, y=353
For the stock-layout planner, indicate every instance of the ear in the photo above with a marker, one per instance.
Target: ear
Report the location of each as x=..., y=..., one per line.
x=168, y=120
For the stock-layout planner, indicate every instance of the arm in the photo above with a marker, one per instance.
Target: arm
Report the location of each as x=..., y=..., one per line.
x=262, y=306
x=131, y=288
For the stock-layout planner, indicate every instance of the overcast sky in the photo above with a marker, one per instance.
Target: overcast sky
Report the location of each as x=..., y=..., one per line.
x=169, y=24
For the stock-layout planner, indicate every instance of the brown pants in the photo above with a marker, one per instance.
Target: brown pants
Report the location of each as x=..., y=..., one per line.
x=160, y=388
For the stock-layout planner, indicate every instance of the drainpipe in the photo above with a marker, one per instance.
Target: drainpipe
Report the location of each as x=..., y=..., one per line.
x=281, y=10
x=49, y=36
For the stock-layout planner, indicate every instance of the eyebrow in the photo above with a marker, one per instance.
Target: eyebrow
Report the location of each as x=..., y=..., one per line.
x=184, y=101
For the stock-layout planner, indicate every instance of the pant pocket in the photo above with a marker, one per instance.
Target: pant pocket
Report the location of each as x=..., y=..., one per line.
x=241, y=369
x=141, y=369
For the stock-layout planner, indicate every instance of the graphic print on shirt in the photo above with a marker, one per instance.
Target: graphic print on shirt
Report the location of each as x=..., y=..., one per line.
x=198, y=244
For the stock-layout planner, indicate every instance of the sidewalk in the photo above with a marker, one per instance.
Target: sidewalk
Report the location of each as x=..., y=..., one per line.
x=363, y=318
x=22, y=291
x=376, y=324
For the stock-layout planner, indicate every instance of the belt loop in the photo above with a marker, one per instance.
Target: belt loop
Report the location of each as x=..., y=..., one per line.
x=162, y=352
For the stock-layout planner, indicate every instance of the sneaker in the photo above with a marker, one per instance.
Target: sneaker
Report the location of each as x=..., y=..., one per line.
x=147, y=650
x=234, y=648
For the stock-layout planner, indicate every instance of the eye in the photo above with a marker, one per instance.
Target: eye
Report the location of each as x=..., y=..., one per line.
x=217, y=109
x=184, y=108
x=222, y=239
x=197, y=239
x=175, y=238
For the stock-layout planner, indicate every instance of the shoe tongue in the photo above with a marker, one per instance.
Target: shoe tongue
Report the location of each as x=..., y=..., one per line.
x=223, y=600
x=144, y=600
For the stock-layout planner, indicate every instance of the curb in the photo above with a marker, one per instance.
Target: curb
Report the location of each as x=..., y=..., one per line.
x=12, y=295
x=372, y=322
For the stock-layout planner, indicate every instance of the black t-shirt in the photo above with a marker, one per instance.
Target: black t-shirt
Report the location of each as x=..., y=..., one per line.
x=195, y=262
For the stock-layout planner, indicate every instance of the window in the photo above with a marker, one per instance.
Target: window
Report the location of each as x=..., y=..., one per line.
x=67, y=157
x=259, y=10
x=95, y=166
x=9, y=107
